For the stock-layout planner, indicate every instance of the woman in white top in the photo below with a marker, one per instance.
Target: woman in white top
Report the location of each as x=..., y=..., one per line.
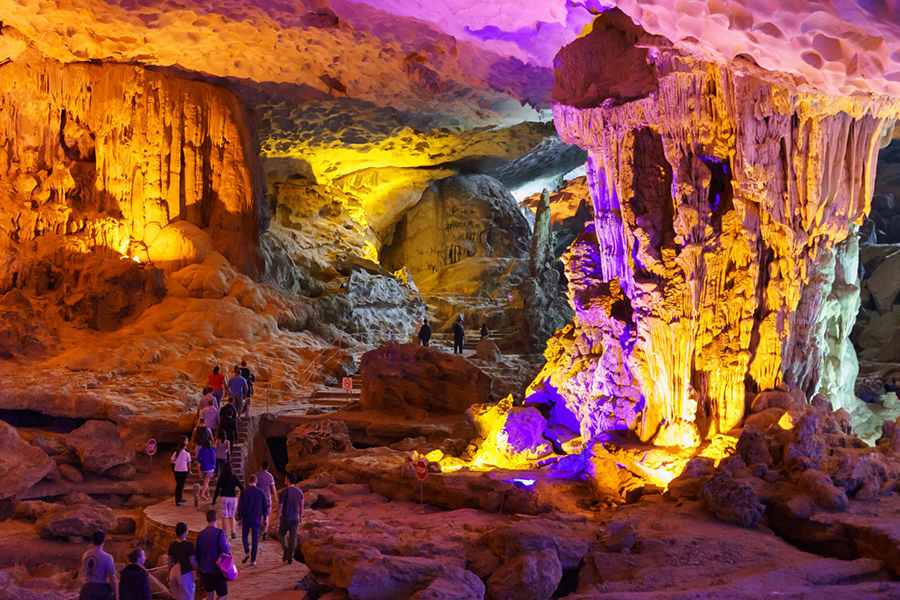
x=181, y=466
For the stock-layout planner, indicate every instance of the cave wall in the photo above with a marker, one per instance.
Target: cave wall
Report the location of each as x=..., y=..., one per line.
x=716, y=265
x=99, y=158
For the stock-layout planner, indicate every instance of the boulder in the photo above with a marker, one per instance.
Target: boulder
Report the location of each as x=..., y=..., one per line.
x=397, y=377
x=568, y=541
x=487, y=350
x=753, y=447
x=21, y=464
x=731, y=501
x=513, y=437
x=70, y=473
x=80, y=520
x=529, y=576
x=32, y=510
x=178, y=245
x=100, y=448
x=318, y=436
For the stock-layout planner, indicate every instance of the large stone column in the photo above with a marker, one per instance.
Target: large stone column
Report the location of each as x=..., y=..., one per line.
x=723, y=197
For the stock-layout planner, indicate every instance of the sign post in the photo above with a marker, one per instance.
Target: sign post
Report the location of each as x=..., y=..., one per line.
x=421, y=473
x=151, y=450
x=347, y=386
x=509, y=296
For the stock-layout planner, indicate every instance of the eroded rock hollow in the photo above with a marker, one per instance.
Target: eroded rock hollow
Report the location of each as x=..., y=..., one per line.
x=722, y=259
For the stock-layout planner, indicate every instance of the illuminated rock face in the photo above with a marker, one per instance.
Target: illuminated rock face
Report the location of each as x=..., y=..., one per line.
x=104, y=157
x=717, y=263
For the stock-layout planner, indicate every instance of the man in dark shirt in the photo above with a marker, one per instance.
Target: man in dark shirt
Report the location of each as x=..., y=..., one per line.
x=459, y=334
x=290, y=515
x=211, y=542
x=134, y=584
x=228, y=422
x=425, y=333
x=253, y=512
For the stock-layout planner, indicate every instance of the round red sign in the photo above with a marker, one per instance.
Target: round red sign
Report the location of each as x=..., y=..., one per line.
x=422, y=469
x=151, y=447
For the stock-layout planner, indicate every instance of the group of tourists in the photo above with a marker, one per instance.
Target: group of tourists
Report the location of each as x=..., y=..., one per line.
x=101, y=582
x=252, y=511
x=872, y=389
x=423, y=333
x=214, y=436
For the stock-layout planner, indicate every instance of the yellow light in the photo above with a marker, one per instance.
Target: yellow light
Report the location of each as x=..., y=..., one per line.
x=786, y=421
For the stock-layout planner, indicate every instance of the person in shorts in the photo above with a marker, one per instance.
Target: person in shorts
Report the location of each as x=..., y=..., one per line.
x=99, y=571
x=211, y=543
x=227, y=487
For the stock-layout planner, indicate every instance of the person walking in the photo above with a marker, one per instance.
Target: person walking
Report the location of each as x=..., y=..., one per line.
x=206, y=464
x=181, y=466
x=484, y=330
x=425, y=333
x=227, y=487
x=211, y=543
x=216, y=382
x=459, y=334
x=223, y=452
x=237, y=387
x=201, y=433
x=228, y=423
x=99, y=571
x=207, y=399
x=248, y=376
x=210, y=414
x=134, y=584
x=266, y=482
x=182, y=565
x=252, y=514
x=289, y=516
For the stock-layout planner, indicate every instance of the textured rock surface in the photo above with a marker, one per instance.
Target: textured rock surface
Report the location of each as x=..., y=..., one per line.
x=21, y=464
x=100, y=447
x=457, y=218
x=529, y=576
x=397, y=377
x=79, y=520
x=103, y=157
x=684, y=302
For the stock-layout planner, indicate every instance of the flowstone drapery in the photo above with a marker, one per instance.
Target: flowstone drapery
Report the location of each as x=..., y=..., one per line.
x=719, y=262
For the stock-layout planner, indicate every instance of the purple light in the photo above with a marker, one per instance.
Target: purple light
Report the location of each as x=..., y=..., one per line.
x=525, y=482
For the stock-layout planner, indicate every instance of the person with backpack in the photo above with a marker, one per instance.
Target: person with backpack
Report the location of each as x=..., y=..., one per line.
x=228, y=423
x=181, y=466
x=289, y=516
x=425, y=333
x=201, y=434
x=182, y=565
x=134, y=583
x=211, y=544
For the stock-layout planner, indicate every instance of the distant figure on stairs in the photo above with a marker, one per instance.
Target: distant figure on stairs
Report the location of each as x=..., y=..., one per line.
x=425, y=333
x=459, y=335
x=228, y=423
x=419, y=325
x=484, y=330
x=251, y=379
x=223, y=451
x=206, y=462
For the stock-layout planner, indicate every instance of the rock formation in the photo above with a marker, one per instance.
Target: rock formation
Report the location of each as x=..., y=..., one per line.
x=400, y=377
x=457, y=219
x=722, y=196
x=102, y=158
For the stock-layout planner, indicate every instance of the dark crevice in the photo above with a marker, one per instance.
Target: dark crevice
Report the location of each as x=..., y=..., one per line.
x=24, y=419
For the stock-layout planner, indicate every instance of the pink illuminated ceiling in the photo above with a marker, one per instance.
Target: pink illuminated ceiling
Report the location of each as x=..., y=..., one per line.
x=844, y=47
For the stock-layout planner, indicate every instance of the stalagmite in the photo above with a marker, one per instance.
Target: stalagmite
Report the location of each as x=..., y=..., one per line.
x=719, y=262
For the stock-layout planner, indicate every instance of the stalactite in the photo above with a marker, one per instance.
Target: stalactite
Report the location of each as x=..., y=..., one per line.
x=723, y=203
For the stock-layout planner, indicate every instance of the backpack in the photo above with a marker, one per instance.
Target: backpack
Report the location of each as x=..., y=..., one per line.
x=203, y=434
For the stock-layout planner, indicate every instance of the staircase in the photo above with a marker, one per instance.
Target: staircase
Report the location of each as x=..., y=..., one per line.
x=237, y=460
